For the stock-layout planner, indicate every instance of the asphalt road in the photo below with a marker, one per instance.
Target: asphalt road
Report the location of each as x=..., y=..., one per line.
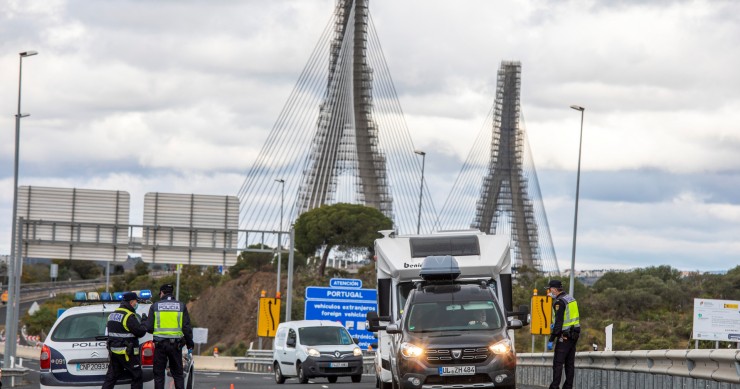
x=216, y=380
x=22, y=310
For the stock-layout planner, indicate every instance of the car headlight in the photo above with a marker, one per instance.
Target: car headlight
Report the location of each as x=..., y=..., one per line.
x=312, y=352
x=411, y=351
x=501, y=347
x=357, y=352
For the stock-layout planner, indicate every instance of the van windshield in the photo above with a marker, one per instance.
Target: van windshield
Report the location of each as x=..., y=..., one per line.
x=479, y=315
x=320, y=336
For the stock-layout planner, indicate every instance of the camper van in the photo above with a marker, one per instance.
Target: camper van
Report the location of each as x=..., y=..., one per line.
x=444, y=311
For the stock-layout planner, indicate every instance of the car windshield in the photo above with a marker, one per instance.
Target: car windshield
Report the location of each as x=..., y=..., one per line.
x=454, y=315
x=319, y=336
x=85, y=326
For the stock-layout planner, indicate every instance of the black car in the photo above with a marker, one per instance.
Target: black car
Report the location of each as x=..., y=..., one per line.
x=453, y=335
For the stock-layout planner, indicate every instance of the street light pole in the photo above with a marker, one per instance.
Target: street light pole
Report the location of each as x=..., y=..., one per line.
x=11, y=314
x=280, y=232
x=575, y=219
x=421, y=188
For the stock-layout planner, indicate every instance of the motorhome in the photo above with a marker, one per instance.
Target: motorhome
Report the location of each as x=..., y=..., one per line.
x=473, y=268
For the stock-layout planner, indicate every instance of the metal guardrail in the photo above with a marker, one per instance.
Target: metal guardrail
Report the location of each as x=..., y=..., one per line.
x=709, y=369
x=260, y=361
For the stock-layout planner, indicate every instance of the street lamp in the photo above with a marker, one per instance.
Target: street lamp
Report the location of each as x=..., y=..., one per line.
x=575, y=219
x=15, y=263
x=421, y=189
x=280, y=232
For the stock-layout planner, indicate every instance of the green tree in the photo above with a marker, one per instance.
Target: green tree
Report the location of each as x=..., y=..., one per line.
x=141, y=268
x=341, y=225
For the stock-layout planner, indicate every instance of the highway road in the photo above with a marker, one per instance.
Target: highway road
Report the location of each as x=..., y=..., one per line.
x=217, y=380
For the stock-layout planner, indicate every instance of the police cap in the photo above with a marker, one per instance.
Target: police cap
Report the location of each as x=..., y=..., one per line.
x=555, y=284
x=130, y=296
x=166, y=288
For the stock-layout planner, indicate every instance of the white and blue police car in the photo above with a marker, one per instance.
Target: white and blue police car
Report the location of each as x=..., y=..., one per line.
x=74, y=353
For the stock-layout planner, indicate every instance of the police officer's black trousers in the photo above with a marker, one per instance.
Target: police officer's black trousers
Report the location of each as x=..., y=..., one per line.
x=165, y=351
x=565, y=354
x=119, y=367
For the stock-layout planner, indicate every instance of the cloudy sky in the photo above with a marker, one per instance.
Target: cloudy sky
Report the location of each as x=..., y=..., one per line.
x=178, y=96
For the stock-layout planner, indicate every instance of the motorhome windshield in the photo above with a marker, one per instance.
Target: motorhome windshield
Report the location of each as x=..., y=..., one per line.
x=457, y=315
x=320, y=336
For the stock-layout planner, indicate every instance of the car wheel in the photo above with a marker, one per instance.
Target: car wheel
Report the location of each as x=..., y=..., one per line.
x=332, y=379
x=301, y=374
x=386, y=385
x=191, y=379
x=357, y=378
x=279, y=378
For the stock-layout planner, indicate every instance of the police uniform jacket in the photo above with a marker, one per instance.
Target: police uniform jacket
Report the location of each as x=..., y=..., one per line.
x=124, y=328
x=559, y=307
x=169, y=319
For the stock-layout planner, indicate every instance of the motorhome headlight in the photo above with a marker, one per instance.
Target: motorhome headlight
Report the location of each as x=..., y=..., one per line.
x=312, y=352
x=501, y=347
x=411, y=351
x=357, y=352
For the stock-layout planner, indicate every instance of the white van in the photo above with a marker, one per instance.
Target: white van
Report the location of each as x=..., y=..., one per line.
x=315, y=348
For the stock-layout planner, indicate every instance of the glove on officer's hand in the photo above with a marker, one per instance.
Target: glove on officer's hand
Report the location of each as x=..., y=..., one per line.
x=549, y=346
x=143, y=317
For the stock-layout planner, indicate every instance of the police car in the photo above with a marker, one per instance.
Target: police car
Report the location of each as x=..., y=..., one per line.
x=74, y=353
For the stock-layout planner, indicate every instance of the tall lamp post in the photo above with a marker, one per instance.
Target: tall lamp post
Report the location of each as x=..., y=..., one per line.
x=575, y=219
x=421, y=188
x=280, y=232
x=14, y=278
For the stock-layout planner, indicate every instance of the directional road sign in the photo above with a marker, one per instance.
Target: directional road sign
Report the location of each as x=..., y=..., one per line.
x=346, y=302
x=541, y=312
x=269, y=316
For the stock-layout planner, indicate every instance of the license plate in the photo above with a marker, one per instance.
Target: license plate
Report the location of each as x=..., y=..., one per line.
x=92, y=366
x=457, y=370
x=338, y=364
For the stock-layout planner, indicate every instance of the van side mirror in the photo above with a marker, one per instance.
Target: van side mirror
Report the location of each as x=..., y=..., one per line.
x=515, y=324
x=290, y=342
x=356, y=340
x=372, y=323
x=392, y=329
x=522, y=314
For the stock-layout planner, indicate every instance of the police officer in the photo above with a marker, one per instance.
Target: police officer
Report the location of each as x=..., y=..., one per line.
x=124, y=331
x=566, y=329
x=169, y=322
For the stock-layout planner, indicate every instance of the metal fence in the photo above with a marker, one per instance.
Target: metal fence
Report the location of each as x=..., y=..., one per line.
x=260, y=361
x=653, y=369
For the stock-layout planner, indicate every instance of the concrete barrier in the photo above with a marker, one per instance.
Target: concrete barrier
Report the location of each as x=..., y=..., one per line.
x=214, y=363
x=25, y=352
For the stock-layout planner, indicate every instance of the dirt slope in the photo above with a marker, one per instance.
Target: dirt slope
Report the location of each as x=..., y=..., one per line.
x=229, y=311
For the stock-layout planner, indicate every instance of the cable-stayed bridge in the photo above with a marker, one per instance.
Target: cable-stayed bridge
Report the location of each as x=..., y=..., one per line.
x=342, y=137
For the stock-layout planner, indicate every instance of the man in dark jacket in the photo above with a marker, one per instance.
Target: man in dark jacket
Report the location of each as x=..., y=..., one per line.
x=566, y=330
x=169, y=322
x=124, y=331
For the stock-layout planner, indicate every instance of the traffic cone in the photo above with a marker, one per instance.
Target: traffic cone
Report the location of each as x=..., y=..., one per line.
x=232, y=386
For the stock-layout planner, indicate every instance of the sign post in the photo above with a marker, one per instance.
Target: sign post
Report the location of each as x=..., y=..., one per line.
x=717, y=320
x=346, y=302
x=269, y=316
x=200, y=336
x=541, y=315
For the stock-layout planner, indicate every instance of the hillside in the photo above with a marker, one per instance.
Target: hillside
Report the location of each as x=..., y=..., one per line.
x=229, y=311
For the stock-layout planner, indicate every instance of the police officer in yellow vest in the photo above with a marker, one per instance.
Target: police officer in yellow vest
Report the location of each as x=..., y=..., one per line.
x=124, y=331
x=169, y=322
x=566, y=330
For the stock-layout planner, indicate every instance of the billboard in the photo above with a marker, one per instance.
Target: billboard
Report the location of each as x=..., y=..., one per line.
x=717, y=320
